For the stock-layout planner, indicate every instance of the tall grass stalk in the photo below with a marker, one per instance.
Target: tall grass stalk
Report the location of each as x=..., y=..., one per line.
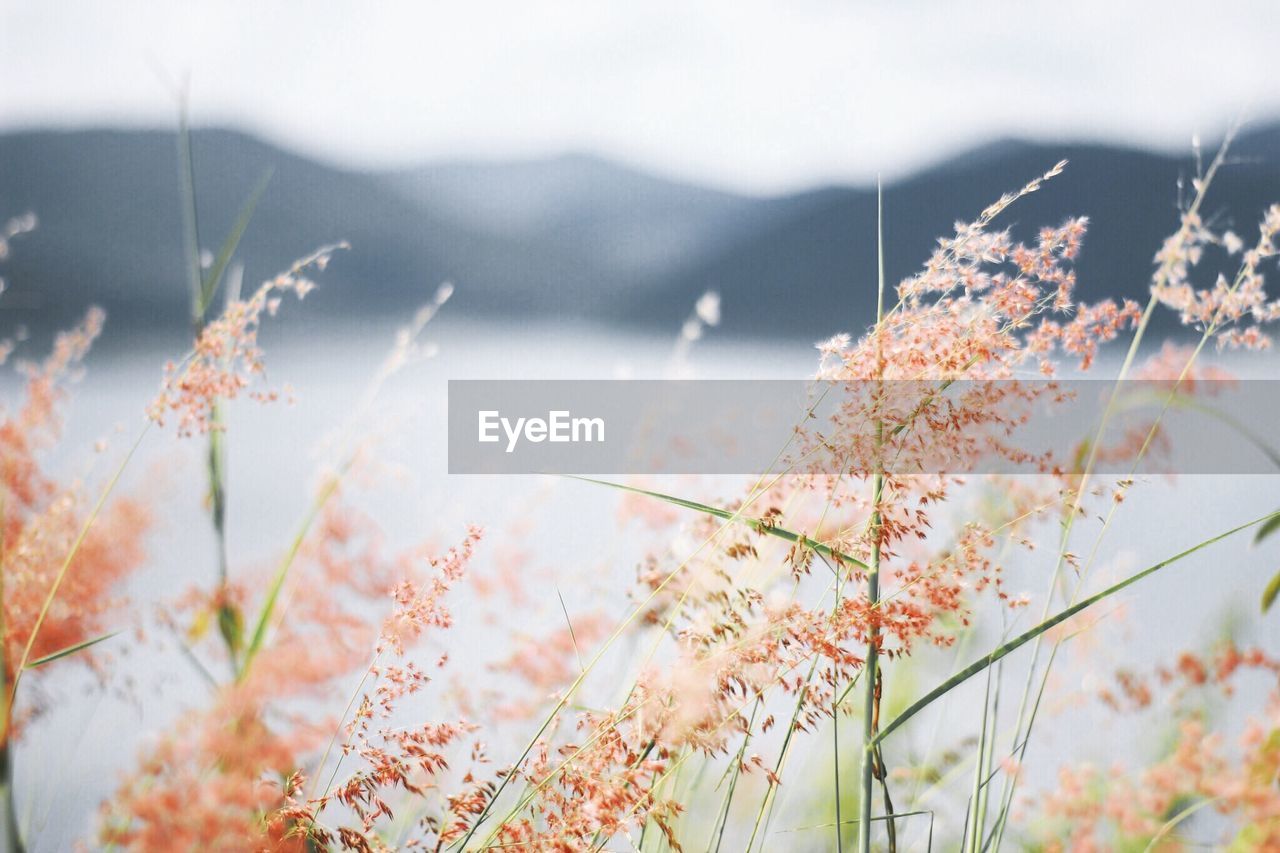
x=730, y=518
x=25, y=661
x=737, y=516
x=768, y=805
x=12, y=837
x=872, y=763
x=9, y=692
x=871, y=686
x=733, y=774
x=12, y=834
x=771, y=791
x=974, y=821
x=836, y=765
x=1169, y=401
x=349, y=450
x=204, y=286
x=758, y=697
x=1028, y=711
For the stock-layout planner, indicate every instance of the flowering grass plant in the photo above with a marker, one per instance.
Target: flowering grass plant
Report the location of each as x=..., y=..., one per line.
x=779, y=652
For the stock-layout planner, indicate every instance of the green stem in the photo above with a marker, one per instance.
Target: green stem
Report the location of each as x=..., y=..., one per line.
x=869, y=688
x=873, y=571
x=733, y=781
x=1021, y=739
x=835, y=761
x=12, y=837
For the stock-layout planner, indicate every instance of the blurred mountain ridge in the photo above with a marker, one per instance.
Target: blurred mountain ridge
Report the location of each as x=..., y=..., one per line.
x=569, y=237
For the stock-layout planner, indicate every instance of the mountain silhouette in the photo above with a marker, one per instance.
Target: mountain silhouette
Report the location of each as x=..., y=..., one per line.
x=570, y=237
x=814, y=272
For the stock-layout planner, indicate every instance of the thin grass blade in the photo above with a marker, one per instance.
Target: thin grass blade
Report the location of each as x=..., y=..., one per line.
x=1267, y=529
x=70, y=650
x=754, y=523
x=212, y=279
x=1269, y=594
x=1022, y=639
x=282, y=572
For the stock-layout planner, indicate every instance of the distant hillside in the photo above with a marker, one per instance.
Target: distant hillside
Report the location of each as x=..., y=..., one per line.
x=621, y=219
x=567, y=237
x=814, y=272
x=110, y=232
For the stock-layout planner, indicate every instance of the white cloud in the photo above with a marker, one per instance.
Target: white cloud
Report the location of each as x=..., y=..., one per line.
x=744, y=93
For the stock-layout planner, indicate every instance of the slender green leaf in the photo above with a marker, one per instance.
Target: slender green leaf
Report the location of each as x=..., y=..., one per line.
x=1267, y=529
x=572, y=635
x=231, y=626
x=1022, y=639
x=756, y=524
x=66, y=564
x=282, y=571
x=852, y=821
x=190, y=214
x=69, y=650
x=1269, y=594
x=212, y=279
x=1172, y=823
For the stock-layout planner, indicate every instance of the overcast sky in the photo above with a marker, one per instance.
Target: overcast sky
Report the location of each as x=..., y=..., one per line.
x=756, y=96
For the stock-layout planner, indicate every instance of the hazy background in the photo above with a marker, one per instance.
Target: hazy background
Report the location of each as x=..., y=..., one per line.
x=746, y=96
x=609, y=162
